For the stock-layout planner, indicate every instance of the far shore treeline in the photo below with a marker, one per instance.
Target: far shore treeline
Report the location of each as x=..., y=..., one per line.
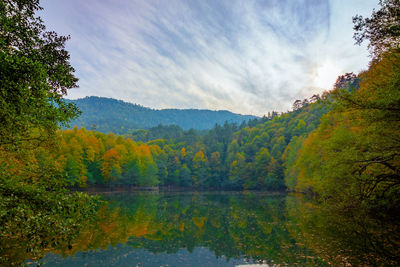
x=249, y=156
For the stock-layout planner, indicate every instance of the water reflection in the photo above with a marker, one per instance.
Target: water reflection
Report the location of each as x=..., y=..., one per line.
x=227, y=229
x=350, y=236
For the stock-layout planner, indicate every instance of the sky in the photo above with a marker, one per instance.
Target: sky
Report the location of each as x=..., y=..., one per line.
x=247, y=56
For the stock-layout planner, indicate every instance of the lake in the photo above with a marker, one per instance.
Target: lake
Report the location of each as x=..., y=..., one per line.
x=224, y=229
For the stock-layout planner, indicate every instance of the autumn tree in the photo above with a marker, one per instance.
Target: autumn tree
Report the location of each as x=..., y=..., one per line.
x=111, y=167
x=354, y=153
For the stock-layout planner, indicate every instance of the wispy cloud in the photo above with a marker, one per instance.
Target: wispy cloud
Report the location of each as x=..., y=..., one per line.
x=245, y=56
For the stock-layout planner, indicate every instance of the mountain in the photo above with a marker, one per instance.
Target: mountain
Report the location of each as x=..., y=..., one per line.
x=111, y=115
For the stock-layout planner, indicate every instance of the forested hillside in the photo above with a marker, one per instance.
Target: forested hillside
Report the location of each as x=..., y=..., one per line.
x=343, y=145
x=110, y=115
x=249, y=156
x=354, y=153
x=353, y=157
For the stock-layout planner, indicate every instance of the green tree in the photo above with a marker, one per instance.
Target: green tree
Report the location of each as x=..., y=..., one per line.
x=149, y=175
x=131, y=172
x=185, y=176
x=261, y=164
x=200, y=168
x=35, y=74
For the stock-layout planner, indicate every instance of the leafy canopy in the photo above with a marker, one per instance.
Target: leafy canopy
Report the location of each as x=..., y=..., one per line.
x=35, y=74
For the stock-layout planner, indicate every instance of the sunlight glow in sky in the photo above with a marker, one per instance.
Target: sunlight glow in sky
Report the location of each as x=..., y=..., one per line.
x=246, y=56
x=326, y=74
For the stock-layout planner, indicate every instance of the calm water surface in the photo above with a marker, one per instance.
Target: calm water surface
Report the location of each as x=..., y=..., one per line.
x=222, y=229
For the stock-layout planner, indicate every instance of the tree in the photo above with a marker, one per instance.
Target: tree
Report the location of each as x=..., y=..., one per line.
x=131, y=172
x=314, y=98
x=185, y=176
x=200, y=168
x=110, y=167
x=35, y=74
x=382, y=29
x=348, y=81
x=215, y=170
x=297, y=105
x=354, y=153
x=261, y=165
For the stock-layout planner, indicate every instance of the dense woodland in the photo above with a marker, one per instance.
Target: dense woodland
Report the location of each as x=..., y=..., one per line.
x=110, y=115
x=341, y=147
x=249, y=156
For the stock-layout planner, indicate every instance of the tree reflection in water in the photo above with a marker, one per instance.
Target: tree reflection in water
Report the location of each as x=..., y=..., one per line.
x=251, y=227
x=346, y=236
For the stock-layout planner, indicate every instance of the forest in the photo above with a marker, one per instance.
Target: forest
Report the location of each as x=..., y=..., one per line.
x=110, y=115
x=249, y=156
x=341, y=147
x=327, y=145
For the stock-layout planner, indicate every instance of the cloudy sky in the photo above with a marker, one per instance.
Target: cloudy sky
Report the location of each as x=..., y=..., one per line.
x=246, y=56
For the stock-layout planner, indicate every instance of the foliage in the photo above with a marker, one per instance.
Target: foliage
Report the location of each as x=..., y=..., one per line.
x=106, y=159
x=35, y=74
x=382, y=29
x=34, y=220
x=110, y=115
x=226, y=156
x=342, y=147
x=354, y=153
x=352, y=158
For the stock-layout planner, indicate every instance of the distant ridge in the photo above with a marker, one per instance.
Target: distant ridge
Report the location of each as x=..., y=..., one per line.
x=112, y=115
